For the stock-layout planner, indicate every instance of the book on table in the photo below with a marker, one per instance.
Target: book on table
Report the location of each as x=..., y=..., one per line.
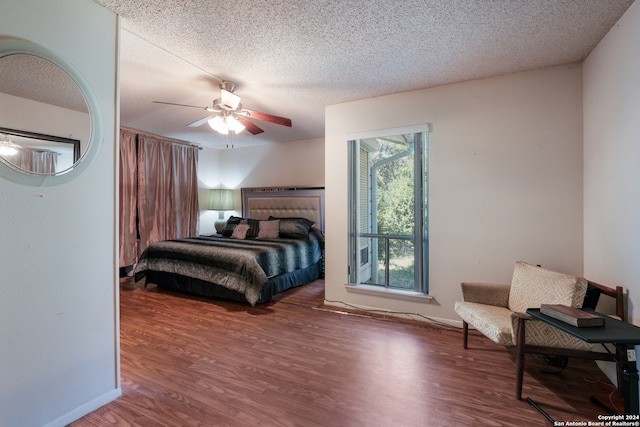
x=571, y=315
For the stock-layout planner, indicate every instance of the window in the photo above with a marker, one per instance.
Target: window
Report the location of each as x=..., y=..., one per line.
x=388, y=242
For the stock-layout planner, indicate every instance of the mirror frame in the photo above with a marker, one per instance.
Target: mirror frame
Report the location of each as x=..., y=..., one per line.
x=12, y=46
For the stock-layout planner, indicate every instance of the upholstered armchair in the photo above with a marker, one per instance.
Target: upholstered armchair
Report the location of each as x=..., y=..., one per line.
x=498, y=312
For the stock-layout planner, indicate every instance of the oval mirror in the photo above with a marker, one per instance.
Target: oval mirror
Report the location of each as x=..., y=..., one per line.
x=45, y=127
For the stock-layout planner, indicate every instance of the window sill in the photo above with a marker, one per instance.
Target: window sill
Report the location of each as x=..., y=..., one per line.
x=388, y=293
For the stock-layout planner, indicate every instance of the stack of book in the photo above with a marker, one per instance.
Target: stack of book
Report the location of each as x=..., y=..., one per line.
x=571, y=315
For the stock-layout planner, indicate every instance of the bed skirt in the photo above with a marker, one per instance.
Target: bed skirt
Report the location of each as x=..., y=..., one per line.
x=274, y=285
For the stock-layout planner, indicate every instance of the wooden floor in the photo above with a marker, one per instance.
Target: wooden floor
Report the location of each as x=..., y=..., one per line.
x=195, y=362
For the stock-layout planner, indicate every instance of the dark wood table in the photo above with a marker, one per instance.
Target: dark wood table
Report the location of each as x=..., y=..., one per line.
x=623, y=335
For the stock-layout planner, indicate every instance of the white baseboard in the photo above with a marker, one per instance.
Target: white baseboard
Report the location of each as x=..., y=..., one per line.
x=88, y=407
x=330, y=305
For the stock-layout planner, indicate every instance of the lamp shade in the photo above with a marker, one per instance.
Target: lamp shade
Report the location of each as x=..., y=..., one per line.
x=221, y=199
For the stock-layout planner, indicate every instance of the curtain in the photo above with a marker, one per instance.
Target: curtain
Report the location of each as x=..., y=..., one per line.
x=38, y=161
x=158, y=192
x=167, y=190
x=128, y=199
x=185, y=179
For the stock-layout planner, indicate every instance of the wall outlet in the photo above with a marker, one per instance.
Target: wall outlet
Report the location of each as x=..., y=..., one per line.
x=631, y=355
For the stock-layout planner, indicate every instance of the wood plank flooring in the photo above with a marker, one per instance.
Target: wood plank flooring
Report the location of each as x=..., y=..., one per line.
x=188, y=361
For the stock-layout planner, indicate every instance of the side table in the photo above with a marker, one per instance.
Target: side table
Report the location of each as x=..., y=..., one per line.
x=623, y=335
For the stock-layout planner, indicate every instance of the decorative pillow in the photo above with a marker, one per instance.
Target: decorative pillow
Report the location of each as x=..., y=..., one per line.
x=230, y=225
x=306, y=221
x=240, y=231
x=269, y=229
x=254, y=226
x=294, y=228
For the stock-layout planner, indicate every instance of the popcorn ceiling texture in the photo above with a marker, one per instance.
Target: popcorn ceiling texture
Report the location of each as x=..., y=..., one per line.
x=35, y=78
x=292, y=58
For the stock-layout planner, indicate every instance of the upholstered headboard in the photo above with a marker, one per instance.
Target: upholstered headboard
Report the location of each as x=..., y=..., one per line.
x=283, y=202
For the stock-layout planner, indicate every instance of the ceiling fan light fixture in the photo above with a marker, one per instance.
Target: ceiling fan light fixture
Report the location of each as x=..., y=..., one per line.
x=7, y=146
x=228, y=114
x=234, y=124
x=218, y=124
x=226, y=124
x=7, y=150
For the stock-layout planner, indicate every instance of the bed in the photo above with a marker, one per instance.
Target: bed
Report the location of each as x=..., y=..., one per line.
x=248, y=262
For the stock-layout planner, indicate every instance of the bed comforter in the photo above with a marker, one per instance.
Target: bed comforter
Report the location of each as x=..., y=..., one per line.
x=239, y=265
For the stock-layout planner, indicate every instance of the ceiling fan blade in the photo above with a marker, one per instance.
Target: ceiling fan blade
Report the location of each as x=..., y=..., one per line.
x=200, y=122
x=179, y=105
x=269, y=118
x=251, y=127
x=230, y=99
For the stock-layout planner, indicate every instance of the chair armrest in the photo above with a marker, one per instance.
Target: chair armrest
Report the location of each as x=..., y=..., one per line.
x=518, y=327
x=496, y=294
x=516, y=315
x=616, y=293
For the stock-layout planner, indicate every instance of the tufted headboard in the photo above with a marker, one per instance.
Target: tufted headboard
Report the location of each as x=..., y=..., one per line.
x=304, y=202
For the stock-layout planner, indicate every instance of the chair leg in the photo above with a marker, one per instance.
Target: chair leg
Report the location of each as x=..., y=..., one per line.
x=465, y=333
x=520, y=343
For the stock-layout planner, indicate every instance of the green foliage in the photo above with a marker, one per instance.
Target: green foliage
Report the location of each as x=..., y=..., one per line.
x=395, y=194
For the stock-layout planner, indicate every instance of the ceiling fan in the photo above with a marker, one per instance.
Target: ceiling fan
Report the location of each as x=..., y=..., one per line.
x=228, y=114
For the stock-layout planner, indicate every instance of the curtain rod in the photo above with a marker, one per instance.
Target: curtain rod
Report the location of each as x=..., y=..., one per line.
x=166, y=138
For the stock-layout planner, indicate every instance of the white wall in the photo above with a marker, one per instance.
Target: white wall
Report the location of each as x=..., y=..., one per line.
x=611, y=160
x=297, y=163
x=58, y=294
x=23, y=114
x=505, y=180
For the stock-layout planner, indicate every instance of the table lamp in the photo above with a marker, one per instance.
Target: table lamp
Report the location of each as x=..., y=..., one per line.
x=220, y=200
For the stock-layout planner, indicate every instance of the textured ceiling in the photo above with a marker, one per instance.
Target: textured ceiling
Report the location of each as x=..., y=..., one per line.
x=293, y=57
x=35, y=78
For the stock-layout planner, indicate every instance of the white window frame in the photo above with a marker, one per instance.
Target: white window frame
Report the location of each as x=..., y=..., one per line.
x=421, y=266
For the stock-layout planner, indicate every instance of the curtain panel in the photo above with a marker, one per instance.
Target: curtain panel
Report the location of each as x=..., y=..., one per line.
x=128, y=198
x=167, y=190
x=185, y=191
x=159, y=191
x=38, y=161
